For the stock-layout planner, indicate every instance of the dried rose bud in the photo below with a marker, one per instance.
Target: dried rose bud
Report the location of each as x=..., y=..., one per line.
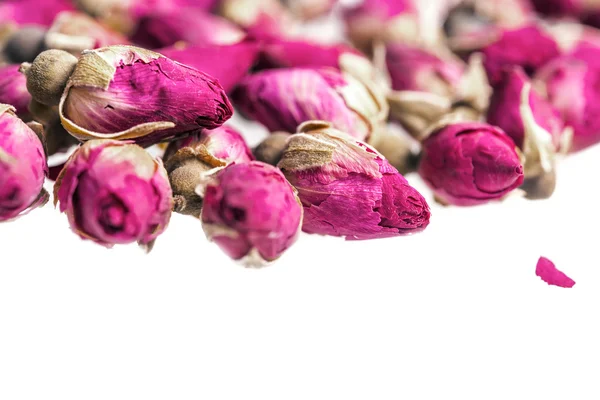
x=548, y=272
x=399, y=149
x=190, y=25
x=282, y=99
x=286, y=53
x=271, y=149
x=13, y=90
x=251, y=212
x=470, y=163
x=23, y=44
x=347, y=188
x=529, y=47
x=387, y=20
x=587, y=11
x=569, y=83
x=535, y=127
x=228, y=63
x=105, y=89
x=309, y=9
x=32, y=11
x=22, y=166
x=260, y=18
x=190, y=160
x=114, y=193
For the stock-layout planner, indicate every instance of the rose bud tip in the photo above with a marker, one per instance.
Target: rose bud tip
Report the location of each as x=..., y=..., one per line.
x=47, y=76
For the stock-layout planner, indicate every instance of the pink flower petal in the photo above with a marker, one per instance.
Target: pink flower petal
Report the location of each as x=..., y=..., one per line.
x=546, y=270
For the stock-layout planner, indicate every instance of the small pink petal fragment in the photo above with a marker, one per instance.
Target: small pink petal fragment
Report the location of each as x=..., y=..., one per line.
x=546, y=270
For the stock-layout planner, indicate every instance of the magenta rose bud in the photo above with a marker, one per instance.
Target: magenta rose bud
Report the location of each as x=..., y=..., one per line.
x=548, y=272
x=570, y=84
x=22, y=166
x=283, y=99
x=189, y=25
x=470, y=163
x=35, y=12
x=283, y=53
x=114, y=193
x=251, y=212
x=529, y=47
x=106, y=88
x=229, y=64
x=13, y=90
x=347, y=188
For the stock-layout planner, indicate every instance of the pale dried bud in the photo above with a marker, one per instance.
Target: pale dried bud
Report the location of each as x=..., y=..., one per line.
x=260, y=18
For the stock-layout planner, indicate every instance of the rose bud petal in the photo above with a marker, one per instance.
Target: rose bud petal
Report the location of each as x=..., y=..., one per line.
x=569, y=83
x=114, y=193
x=470, y=163
x=286, y=53
x=22, y=166
x=529, y=47
x=188, y=161
x=347, y=188
x=190, y=25
x=32, y=11
x=535, y=127
x=309, y=9
x=548, y=272
x=228, y=63
x=282, y=99
x=271, y=149
x=105, y=88
x=251, y=212
x=260, y=18
x=13, y=90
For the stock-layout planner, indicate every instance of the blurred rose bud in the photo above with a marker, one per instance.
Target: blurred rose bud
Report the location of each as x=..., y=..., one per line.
x=533, y=124
x=105, y=88
x=529, y=47
x=114, y=193
x=283, y=99
x=190, y=160
x=13, y=90
x=401, y=151
x=271, y=149
x=286, y=53
x=587, y=11
x=192, y=26
x=347, y=188
x=260, y=18
x=22, y=166
x=37, y=12
x=309, y=9
x=470, y=163
x=228, y=63
x=251, y=212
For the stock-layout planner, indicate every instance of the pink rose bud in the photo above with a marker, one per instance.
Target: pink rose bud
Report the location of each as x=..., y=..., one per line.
x=570, y=85
x=282, y=99
x=347, y=188
x=548, y=272
x=309, y=9
x=284, y=53
x=13, y=90
x=228, y=63
x=190, y=160
x=36, y=12
x=190, y=25
x=114, y=193
x=251, y=212
x=529, y=47
x=470, y=163
x=587, y=11
x=22, y=166
x=260, y=18
x=105, y=88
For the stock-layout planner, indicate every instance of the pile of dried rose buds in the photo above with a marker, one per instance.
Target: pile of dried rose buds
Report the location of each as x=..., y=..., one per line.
x=492, y=93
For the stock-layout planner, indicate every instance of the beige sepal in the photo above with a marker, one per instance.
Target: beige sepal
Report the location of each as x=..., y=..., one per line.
x=474, y=88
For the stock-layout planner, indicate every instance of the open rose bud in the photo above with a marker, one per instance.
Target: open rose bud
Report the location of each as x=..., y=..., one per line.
x=251, y=212
x=347, y=188
x=105, y=88
x=190, y=160
x=13, y=90
x=22, y=166
x=228, y=63
x=114, y=193
x=470, y=163
x=283, y=99
x=529, y=47
x=190, y=25
x=36, y=12
x=535, y=127
x=260, y=18
x=570, y=85
x=309, y=9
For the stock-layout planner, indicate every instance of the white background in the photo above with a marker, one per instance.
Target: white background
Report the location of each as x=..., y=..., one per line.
x=453, y=313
